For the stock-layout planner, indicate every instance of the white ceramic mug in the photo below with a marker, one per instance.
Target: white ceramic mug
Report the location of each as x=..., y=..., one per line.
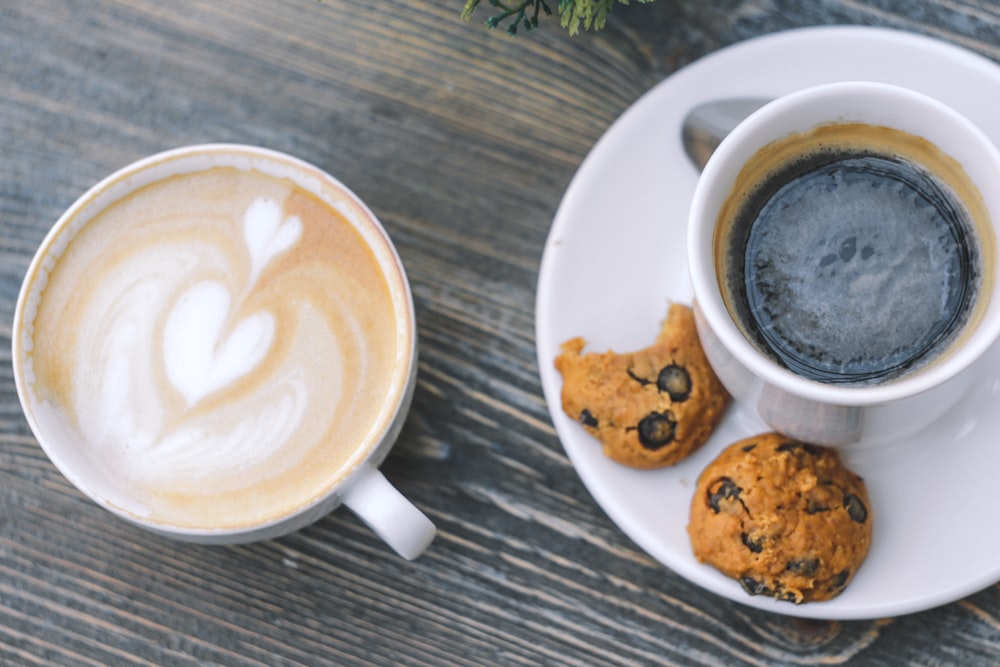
x=218, y=344
x=823, y=412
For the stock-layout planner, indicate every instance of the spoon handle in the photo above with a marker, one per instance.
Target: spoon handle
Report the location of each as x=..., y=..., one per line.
x=708, y=123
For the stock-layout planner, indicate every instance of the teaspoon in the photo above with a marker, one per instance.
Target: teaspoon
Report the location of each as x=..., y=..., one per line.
x=708, y=123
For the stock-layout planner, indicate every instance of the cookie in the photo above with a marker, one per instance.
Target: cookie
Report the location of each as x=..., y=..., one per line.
x=784, y=518
x=649, y=408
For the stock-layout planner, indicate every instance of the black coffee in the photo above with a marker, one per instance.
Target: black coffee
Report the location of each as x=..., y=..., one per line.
x=850, y=266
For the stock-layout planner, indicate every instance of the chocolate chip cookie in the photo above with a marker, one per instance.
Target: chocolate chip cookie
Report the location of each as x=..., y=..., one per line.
x=649, y=408
x=784, y=518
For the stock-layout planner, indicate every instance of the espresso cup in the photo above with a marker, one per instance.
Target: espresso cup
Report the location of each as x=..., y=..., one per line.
x=842, y=248
x=218, y=344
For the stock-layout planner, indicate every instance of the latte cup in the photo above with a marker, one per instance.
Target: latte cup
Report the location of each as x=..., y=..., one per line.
x=842, y=249
x=218, y=344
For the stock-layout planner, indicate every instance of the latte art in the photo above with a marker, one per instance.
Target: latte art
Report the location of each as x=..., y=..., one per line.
x=220, y=345
x=198, y=360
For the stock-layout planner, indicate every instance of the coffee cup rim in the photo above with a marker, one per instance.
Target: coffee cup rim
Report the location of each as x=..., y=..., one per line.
x=715, y=179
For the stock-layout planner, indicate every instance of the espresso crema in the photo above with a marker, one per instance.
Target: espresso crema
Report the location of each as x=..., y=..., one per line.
x=219, y=347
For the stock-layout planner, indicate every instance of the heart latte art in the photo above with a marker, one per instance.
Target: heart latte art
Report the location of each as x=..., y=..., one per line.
x=218, y=345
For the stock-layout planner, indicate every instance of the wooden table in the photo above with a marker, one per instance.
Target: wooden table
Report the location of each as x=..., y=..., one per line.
x=463, y=141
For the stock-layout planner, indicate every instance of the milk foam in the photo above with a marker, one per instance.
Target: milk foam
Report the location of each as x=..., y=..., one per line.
x=267, y=234
x=225, y=359
x=198, y=358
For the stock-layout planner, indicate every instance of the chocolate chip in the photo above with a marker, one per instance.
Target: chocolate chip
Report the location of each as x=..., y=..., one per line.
x=642, y=381
x=657, y=430
x=723, y=489
x=788, y=596
x=779, y=592
x=749, y=448
x=855, y=508
x=839, y=581
x=675, y=381
x=587, y=419
x=794, y=447
x=755, y=586
x=815, y=507
x=750, y=543
x=805, y=566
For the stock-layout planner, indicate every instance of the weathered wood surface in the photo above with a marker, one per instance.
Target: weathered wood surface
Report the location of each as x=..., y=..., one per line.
x=463, y=142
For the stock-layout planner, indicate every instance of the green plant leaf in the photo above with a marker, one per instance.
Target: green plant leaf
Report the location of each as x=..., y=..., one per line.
x=574, y=15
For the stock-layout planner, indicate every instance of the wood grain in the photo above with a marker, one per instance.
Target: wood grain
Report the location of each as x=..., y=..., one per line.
x=463, y=142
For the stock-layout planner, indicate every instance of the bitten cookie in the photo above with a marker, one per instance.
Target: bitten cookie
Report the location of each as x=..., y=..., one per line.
x=649, y=408
x=784, y=518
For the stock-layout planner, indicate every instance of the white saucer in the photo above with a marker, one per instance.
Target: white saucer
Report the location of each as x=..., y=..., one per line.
x=615, y=259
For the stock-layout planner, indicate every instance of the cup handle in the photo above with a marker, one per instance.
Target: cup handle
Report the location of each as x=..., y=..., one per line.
x=393, y=518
